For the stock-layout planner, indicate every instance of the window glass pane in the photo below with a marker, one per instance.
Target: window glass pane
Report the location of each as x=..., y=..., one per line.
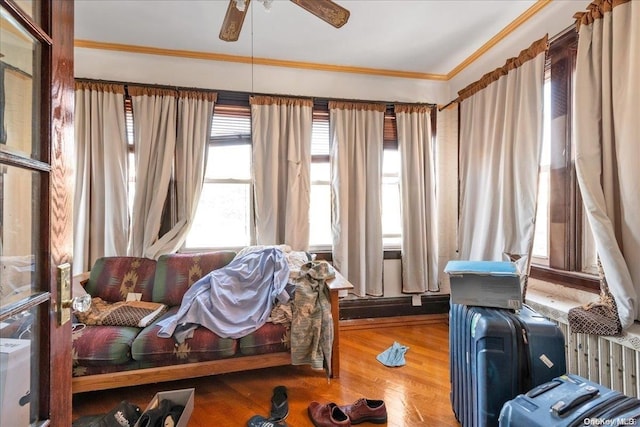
x=391, y=162
x=540, y=249
x=541, y=236
x=19, y=235
x=391, y=223
x=589, y=253
x=320, y=172
x=320, y=138
x=19, y=97
x=19, y=356
x=223, y=217
x=320, y=216
x=229, y=162
x=391, y=214
x=225, y=126
x=131, y=170
x=31, y=8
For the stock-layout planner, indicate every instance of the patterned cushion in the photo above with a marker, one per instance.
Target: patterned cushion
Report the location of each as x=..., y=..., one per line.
x=112, y=278
x=175, y=273
x=270, y=338
x=122, y=313
x=102, y=345
x=205, y=345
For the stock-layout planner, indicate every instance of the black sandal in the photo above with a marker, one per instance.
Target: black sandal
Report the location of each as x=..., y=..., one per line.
x=279, y=404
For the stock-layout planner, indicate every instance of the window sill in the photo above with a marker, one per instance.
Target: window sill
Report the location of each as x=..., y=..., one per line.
x=554, y=302
x=571, y=279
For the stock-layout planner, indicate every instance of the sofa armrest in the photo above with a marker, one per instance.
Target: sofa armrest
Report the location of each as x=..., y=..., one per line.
x=336, y=285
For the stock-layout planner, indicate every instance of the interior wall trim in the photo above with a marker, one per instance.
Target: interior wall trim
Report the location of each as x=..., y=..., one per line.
x=211, y=56
x=376, y=307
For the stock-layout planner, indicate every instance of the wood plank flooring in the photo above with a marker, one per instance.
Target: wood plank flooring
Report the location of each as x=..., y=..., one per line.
x=416, y=394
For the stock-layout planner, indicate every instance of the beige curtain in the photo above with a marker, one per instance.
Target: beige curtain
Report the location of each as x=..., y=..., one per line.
x=195, y=111
x=356, y=174
x=281, y=137
x=607, y=131
x=155, y=118
x=101, y=220
x=500, y=143
x=418, y=199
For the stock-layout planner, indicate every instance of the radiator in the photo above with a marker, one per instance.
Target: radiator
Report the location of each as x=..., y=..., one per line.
x=611, y=361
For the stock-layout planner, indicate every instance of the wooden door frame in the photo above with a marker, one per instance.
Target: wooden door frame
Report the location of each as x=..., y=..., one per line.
x=60, y=231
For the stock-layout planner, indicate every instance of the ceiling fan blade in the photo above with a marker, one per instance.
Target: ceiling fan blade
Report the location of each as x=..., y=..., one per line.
x=326, y=10
x=233, y=20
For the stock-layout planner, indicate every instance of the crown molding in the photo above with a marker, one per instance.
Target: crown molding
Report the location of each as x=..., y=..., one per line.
x=89, y=44
x=526, y=15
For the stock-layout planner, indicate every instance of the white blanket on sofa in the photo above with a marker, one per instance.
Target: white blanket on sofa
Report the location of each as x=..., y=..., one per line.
x=234, y=300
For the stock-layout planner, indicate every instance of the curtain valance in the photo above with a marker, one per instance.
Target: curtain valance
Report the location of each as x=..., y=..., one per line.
x=280, y=100
x=99, y=86
x=413, y=108
x=596, y=10
x=512, y=63
x=361, y=106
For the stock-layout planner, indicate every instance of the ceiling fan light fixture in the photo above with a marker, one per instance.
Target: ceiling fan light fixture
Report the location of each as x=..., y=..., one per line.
x=327, y=10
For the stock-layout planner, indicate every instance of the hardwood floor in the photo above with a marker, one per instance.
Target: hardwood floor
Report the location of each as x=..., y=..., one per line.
x=416, y=394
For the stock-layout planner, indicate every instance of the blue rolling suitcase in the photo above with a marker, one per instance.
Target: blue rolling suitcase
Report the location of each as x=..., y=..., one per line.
x=497, y=354
x=570, y=400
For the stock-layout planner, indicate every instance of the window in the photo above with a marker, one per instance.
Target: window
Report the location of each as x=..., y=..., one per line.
x=131, y=158
x=391, y=217
x=320, y=209
x=224, y=215
x=563, y=241
x=390, y=196
x=540, y=251
x=320, y=197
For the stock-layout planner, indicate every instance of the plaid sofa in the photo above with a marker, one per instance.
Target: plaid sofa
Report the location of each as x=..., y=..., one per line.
x=108, y=349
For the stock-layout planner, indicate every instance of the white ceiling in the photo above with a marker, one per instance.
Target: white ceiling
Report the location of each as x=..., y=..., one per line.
x=421, y=36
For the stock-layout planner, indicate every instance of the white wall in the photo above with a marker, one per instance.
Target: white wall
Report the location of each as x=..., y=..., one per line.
x=553, y=19
x=206, y=74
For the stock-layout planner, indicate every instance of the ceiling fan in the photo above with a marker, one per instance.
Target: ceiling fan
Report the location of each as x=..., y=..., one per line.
x=326, y=10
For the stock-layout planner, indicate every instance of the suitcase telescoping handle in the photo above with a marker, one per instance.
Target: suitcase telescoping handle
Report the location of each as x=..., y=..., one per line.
x=543, y=388
x=561, y=407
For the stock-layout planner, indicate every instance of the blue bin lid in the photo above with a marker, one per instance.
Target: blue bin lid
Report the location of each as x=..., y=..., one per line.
x=487, y=268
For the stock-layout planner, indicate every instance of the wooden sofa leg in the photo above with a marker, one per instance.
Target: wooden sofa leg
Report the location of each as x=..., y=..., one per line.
x=335, y=351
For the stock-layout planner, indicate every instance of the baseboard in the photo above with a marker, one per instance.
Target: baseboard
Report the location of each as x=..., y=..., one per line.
x=387, y=322
x=376, y=307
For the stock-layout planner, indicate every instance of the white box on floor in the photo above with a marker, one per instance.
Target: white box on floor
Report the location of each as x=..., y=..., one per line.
x=182, y=397
x=485, y=283
x=15, y=382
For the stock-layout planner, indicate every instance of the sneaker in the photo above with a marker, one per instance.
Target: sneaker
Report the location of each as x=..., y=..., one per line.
x=124, y=415
x=260, y=421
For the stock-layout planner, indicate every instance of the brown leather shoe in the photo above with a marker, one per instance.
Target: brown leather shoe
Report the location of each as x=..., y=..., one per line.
x=327, y=415
x=373, y=411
